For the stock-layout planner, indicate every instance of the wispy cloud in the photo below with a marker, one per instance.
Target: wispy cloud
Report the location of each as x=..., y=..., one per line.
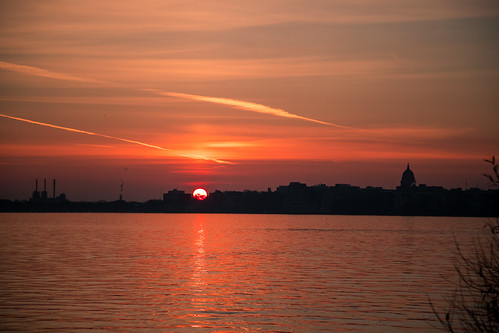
x=35, y=71
x=115, y=16
x=234, y=103
x=243, y=105
x=74, y=130
x=238, y=104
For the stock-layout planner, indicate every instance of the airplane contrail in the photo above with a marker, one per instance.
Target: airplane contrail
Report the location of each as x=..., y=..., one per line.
x=35, y=71
x=69, y=129
x=244, y=105
x=239, y=104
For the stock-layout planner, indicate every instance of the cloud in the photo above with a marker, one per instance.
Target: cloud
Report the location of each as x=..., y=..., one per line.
x=234, y=103
x=35, y=71
x=117, y=16
x=243, y=105
x=238, y=104
x=69, y=129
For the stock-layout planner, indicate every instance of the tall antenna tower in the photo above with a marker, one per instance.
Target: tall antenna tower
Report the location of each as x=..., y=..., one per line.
x=121, y=189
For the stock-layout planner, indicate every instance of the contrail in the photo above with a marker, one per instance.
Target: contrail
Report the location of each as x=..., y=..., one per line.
x=69, y=129
x=35, y=71
x=244, y=105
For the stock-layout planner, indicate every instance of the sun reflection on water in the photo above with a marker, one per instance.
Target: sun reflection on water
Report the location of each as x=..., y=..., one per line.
x=199, y=254
x=199, y=287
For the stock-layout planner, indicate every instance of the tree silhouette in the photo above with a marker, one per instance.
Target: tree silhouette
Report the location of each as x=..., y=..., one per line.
x=475, y=304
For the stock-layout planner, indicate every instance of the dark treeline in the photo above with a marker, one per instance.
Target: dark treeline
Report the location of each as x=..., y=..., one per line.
x=295, y=198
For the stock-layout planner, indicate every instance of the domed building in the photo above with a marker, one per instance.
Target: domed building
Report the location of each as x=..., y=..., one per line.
x=408, y=179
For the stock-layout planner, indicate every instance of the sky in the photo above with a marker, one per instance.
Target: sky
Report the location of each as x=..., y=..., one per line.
x=235, y=95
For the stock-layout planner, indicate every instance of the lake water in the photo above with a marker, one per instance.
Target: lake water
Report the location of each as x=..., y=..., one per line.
x=230, y=273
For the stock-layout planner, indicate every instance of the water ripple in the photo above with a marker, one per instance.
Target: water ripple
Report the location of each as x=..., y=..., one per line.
x=231, y=273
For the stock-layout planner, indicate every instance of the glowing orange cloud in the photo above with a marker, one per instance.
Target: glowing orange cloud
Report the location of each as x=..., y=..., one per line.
x=243, y=105
x=69, y=129
x=45, y=73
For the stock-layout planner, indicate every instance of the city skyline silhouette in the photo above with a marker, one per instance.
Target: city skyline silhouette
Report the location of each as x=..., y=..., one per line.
x=409, y=198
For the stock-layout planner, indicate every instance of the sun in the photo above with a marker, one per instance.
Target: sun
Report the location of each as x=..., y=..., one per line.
x=200, y=194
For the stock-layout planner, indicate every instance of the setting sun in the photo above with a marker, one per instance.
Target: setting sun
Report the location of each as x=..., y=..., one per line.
x=200, y=194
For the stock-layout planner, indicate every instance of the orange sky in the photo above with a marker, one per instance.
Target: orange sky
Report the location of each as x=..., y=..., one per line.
x=245, y=95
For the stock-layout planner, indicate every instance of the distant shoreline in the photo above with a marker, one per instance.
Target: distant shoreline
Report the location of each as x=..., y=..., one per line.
x=225, y=213
x=295, y=199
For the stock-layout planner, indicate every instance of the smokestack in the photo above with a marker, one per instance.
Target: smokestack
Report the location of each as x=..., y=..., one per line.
x=54, y=189
x=44, y=193
x=36, y=194
x=121, y=189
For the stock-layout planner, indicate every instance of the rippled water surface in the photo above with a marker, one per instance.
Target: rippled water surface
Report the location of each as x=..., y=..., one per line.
x=204, y=273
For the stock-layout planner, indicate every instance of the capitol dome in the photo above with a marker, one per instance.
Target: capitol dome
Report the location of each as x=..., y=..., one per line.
x=408, y=178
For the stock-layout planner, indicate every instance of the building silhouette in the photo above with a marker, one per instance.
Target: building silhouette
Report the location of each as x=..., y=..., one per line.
x=408, y=180
x=43, y=197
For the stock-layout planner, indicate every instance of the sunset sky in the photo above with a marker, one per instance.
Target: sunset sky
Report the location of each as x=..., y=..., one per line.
x=235, y=95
